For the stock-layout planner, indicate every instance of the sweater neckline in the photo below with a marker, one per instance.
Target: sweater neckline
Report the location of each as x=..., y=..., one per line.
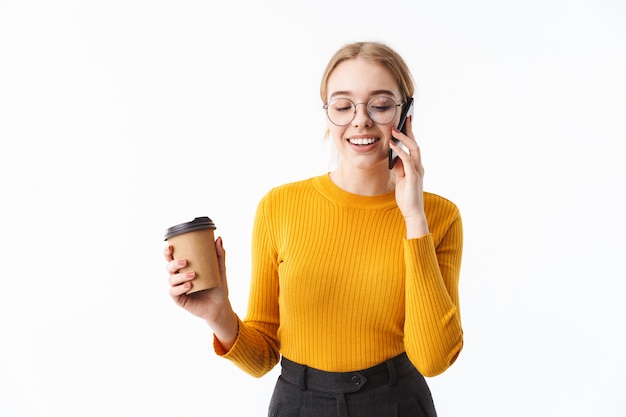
x=325, y=185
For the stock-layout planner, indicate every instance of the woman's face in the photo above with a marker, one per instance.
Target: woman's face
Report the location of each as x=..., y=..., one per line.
x=362, y=143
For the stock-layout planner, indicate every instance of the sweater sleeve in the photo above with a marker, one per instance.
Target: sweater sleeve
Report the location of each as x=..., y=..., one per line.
x=433, y=332
x=256, y=349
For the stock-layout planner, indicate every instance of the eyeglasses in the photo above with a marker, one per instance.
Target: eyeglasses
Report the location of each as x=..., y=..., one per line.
x=342, y=111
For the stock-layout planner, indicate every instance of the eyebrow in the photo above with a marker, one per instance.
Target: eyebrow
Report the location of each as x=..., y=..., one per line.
x=372, y=93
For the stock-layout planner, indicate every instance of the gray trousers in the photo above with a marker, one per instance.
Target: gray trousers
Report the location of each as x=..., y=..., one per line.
x=394, y=388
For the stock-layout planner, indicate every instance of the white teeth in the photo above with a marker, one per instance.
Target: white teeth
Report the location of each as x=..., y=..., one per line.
x=362, y=141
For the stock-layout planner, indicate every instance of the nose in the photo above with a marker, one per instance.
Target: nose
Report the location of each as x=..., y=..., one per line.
x=362, y=117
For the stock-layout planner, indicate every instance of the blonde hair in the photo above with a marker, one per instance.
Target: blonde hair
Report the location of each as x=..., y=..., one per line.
x=374, y=52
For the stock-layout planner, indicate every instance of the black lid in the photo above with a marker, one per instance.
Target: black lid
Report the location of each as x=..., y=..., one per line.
x=199, y=223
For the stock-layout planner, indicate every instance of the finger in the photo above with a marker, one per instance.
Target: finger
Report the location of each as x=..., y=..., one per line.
x=219, y=247
x=172, y=267
x=221, y=258
x=410, y=144
x=401, y=150
x=407, y=139
x=180, y=290
x=168, y=253
x=182, y=278
x=409, y=127
x=400, y=146
x=411, y=162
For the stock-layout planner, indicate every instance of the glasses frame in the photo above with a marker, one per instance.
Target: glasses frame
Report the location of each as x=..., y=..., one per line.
x=354, y=105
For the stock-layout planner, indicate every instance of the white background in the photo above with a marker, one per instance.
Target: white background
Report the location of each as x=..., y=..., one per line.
x=119, y=119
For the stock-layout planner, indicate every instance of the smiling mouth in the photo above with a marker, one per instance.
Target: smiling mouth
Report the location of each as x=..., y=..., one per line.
x=363, y=141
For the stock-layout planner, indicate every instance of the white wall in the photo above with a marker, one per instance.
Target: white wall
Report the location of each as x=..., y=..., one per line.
x=120, y=118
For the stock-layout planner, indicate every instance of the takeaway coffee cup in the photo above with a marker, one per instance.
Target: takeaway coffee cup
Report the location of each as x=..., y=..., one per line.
x=194, y=241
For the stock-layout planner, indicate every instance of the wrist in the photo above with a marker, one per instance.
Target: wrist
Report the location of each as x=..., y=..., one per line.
x=225, y=326
x=416, y=226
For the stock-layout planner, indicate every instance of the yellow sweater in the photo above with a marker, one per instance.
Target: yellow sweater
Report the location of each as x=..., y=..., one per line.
x=337, y=286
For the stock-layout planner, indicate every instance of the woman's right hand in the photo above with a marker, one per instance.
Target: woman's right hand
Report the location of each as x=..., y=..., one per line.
x=213, y=304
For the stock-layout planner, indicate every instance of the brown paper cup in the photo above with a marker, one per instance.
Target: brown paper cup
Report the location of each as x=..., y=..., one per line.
x=195, y=242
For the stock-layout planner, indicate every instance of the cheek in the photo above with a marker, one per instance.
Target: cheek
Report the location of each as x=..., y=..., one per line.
x=386, y=131
x=336, y=132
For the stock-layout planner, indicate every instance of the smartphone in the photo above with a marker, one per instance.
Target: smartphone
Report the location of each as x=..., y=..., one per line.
x=407, y=111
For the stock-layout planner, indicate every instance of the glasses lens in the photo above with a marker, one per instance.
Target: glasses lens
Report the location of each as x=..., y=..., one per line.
x=340, y=111
x=381, y=109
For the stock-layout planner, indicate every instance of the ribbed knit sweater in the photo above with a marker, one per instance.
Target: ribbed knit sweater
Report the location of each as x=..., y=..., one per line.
x=337, y=286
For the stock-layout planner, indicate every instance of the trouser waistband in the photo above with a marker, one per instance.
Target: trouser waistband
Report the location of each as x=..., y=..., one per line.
x=344, y=382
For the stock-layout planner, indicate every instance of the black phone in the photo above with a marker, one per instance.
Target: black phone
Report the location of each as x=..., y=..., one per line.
x=407, y=110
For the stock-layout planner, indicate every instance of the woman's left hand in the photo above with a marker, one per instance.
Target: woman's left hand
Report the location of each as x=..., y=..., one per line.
x=409, y=175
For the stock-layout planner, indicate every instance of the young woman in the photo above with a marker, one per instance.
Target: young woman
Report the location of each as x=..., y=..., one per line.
x=354, y=272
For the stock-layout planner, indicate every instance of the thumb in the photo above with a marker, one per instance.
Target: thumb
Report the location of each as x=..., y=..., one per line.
x=221, y=260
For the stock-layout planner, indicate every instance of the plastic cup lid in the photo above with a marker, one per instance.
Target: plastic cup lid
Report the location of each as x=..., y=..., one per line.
x=199, y=223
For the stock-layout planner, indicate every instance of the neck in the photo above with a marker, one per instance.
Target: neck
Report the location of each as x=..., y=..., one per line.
x=363, y=182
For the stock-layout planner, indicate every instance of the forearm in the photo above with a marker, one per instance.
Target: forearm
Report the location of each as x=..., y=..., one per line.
x=433, y=332
x=225, y=326
x=253, y=351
